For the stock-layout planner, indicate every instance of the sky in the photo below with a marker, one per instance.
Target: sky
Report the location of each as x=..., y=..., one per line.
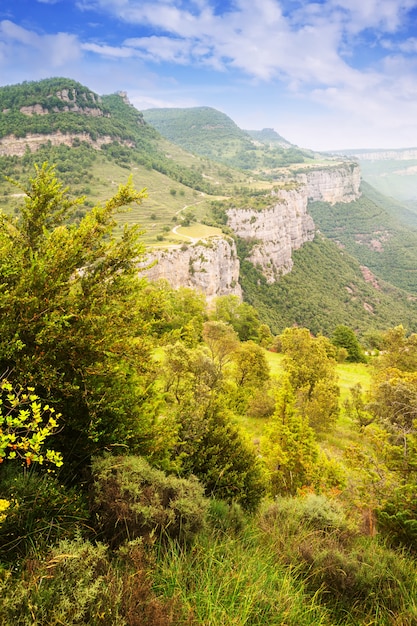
x=326, y=75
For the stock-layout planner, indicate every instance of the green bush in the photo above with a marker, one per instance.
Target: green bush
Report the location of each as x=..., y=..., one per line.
x=131, y=499
x=78, y=583
x=41, y=512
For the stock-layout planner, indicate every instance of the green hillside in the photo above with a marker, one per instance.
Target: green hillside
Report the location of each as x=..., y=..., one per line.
x=368, y=230
x=325, y=288
x=210, y=133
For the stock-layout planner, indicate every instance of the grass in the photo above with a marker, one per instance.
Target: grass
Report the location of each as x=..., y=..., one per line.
x=236, y=581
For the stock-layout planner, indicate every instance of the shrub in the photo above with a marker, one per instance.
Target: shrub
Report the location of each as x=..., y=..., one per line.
x=131, y=499
x=40, y=513
x=80, y=584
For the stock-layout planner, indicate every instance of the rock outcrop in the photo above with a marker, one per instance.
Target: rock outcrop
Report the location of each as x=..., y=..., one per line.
x=275, y=232
x=286, y=225
x=332, y=184
x=211, y=267
x=16, y=146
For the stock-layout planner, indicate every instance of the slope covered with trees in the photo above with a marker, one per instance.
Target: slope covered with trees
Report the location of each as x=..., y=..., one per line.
x=210, y=133
x=145, y=500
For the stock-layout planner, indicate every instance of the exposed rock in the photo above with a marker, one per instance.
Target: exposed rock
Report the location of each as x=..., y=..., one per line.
x=275, y=231
x=211, y=267
x=285, y=226
x=369, y=277
x=34, y=109
x=16, y=146
x=333, y=184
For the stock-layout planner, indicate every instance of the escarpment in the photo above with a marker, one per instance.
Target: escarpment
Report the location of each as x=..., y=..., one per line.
x=332, y=184
x=286, y=225
x=275, y=232
x=211, y=266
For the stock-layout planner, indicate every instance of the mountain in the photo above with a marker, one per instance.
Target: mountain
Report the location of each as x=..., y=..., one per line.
x=212, y=134
x=267, y=196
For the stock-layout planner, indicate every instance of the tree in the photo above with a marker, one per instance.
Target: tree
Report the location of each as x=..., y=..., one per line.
x=242, y=317
x=69, y=323
x=222, y=341
x=344, y=337
x=311, y=368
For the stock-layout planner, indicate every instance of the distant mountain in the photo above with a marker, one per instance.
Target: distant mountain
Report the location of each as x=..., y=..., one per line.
x=270, y=137
x=187, y=158
x=212, y=134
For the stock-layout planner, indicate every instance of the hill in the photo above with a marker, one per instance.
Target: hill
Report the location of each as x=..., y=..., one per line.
x=97, y=141
x=369, y=230
x=210, y=133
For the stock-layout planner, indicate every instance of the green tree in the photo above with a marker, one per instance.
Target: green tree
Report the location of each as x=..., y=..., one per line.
x=69, y=322
x=344, y=337
x=289, y=446
x=311, y=368
x=241, y=316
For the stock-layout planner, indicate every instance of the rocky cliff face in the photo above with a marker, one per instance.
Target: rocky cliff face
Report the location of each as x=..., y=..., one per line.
x=16, y=146
x=332, y=184
x=211, y=267
x=277, y=231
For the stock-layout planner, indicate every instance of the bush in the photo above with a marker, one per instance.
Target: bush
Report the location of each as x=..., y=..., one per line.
x=79, y=584
x=41, y=512
x=131, y=499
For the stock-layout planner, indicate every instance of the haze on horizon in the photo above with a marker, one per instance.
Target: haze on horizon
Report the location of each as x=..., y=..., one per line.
x=327, y=75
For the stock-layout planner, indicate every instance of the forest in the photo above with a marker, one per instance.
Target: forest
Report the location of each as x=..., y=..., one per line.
x=163, y=461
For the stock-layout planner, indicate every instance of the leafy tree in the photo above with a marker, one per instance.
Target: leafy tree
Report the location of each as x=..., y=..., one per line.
x=344, y=337
x=311, y=369
x=241, y=316
x=69, y=324
x=222, y=341
x=289, y=446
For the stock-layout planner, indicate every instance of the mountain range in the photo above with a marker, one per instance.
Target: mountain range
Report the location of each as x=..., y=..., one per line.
x=300, y=235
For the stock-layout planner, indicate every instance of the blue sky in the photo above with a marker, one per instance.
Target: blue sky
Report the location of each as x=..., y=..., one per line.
x=326, y=75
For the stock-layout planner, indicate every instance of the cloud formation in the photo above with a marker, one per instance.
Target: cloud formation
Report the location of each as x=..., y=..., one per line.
x=353, y=58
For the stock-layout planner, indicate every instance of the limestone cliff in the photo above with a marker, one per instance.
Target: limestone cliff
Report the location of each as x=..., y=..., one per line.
x=286, y=225
x=275, y=232
x=211, y=267
x=16, y=146
x=332, y=184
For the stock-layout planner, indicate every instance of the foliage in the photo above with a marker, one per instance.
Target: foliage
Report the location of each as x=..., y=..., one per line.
x=311, y=369
x=325, y=288
x=397, y=518
x=224, y=461
x=241, y=316
x=68, y=321
x=131, y=499
x=369, y=232
x=41, y=512
x=345, y=337
x=25, y=425
x=359, y=579
x=290, y=449
x=82, y=583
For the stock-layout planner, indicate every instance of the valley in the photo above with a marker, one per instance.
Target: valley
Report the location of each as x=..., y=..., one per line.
x=208, y=339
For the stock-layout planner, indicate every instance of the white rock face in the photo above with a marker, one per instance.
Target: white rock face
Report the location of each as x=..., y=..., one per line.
x=332, y=184
x=276, y=231
x=211, y=267
x=287, y=225
x=16, y=146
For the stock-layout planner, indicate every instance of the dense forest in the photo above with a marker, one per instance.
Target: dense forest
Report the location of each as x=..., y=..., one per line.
x=166, y=463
